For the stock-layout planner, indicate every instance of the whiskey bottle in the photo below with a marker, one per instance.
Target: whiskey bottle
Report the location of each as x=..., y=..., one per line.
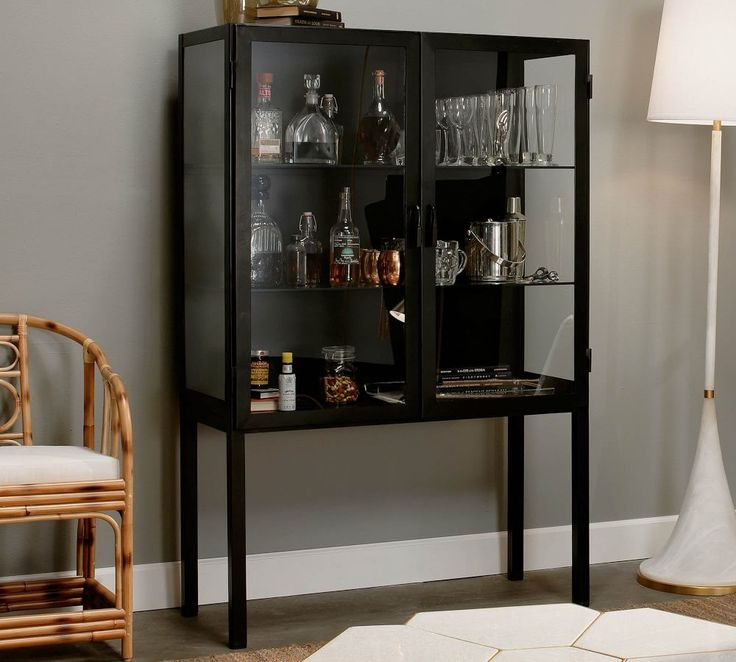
x=344, y=247
x=378, y=131
x=265, y=125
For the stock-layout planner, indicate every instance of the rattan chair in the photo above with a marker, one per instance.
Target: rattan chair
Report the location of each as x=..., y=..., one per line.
x=86, y=483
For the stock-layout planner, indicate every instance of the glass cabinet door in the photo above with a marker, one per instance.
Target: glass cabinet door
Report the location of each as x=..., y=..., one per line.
x=499, y=191
x=327, y=267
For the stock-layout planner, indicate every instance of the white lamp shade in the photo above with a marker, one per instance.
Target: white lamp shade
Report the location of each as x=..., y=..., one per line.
x=695, y=71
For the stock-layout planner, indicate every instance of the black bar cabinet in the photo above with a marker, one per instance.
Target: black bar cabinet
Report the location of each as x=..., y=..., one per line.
x=535, y=331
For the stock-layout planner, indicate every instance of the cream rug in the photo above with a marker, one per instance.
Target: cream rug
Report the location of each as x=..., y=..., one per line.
x=718, y=610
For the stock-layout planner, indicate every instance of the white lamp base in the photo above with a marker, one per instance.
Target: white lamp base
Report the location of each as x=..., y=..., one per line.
x=700, y=556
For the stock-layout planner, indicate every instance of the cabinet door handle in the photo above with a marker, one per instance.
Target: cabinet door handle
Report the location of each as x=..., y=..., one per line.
x=414, y=230
x=431, y=227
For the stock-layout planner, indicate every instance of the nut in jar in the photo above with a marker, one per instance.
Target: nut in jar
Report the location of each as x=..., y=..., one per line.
x=340, y=384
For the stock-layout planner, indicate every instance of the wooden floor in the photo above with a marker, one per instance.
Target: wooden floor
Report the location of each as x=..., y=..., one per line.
x=165, y=635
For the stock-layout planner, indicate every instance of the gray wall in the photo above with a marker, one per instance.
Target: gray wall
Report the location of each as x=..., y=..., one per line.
x=86, y=93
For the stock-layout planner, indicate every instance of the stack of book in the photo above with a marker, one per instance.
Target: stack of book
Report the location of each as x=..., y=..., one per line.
x=264, y=399
x=300, y=16
x=484, y=382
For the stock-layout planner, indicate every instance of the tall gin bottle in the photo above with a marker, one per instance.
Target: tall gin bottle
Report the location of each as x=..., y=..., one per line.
x=344, y=247
x=378, y=131
x=310, y=136
x=265, y=125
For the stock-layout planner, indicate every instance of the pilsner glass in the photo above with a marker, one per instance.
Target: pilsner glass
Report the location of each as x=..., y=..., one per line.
x=484, y=113
x=528, y=148
x=504, y=114
x=516, y=125
x=545, y=99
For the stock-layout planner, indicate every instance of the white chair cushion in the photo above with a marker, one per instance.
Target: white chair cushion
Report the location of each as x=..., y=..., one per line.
x=30, y=465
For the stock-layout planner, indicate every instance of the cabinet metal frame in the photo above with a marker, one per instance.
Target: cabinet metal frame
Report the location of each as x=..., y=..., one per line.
x=223, y=414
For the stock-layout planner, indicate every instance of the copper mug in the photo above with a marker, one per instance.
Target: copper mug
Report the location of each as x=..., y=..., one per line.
x=389, y=267
x=369, y=270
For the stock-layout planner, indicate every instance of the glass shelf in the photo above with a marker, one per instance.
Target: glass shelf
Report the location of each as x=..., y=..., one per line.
x=318, y=166
x=507, y=284
x=264, y=290
x=509, y=166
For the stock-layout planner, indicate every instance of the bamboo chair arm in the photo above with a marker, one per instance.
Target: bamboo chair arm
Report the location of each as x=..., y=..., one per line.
x=95, y=353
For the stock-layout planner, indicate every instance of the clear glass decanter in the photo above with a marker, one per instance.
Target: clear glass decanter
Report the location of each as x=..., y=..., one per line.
x=310, y=136
x=265, y=125
x=344, y=246
x=378, y=131
x=266, y=256
x=304, y=254
x=328, y=104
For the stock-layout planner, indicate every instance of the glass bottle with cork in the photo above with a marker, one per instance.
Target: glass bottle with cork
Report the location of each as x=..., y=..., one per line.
x=304, y=254
x=265, y=125
x=344, y=246
x=378, y=131
x=328, y=104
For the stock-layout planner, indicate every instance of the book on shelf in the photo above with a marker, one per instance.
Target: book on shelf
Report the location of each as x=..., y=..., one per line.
x=491, y=388
x=263, y=406
x=257, y=13
x=264, y=394
x=305, y=22
x=448, y=375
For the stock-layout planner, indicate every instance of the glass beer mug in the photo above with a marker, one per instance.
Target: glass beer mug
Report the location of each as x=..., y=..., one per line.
x=450, y=261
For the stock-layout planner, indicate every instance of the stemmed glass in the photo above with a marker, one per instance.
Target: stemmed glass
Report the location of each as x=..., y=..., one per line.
x=442, y=147
x=460, y=112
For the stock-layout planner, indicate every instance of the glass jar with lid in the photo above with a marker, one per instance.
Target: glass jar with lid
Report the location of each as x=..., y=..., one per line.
x=340, y=382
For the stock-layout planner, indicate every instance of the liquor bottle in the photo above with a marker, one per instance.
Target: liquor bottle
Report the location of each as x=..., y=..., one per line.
x=378, y=131
x=310, y=136
x=265, y=125
x=266, y=258
x=287, y=383
x=329, y=107
x=304, y=254
x=344, y=247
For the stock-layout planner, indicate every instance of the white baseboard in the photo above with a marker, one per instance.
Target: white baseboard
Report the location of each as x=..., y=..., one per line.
x=156, y=585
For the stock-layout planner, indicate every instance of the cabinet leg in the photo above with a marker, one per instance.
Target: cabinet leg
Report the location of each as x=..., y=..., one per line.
x=580, y=509
x=188, y=515
x=237, y=602
x=515, y=498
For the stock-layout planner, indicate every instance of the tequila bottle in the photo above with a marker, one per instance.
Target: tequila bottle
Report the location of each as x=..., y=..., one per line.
x=310, y=136
x=265, y=125
x=344, y=247
x=329, y=107
x=266, y=257
x=378, y=131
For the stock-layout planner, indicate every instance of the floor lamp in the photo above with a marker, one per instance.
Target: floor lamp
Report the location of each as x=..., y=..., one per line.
x=695, y=83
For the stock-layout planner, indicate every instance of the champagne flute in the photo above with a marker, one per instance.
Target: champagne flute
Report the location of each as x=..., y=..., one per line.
x=442, y=150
